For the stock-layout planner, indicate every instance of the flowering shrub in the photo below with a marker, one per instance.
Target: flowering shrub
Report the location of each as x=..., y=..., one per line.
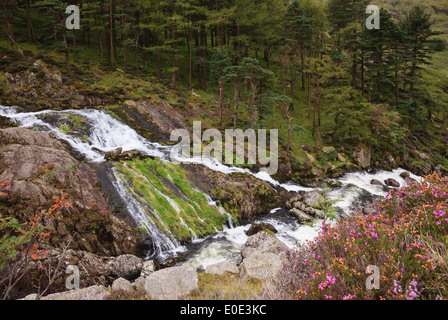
x=25, y=237
x=406, y=240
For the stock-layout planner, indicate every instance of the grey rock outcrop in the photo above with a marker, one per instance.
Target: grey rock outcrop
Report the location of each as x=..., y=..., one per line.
x=263, y=242
x=222, y=267
x=171, y=283
x=261, y=265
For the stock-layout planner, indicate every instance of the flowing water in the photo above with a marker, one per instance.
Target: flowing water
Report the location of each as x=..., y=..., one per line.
x=101, y=133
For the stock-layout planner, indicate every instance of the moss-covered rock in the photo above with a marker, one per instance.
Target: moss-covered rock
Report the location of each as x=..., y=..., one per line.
x=170, y=201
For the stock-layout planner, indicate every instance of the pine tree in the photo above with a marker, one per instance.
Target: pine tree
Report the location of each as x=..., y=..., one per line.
x=234, y=75
x=418, y=28
x=219, y=62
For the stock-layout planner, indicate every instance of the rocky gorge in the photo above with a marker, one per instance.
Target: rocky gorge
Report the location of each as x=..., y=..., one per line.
x=137, y=208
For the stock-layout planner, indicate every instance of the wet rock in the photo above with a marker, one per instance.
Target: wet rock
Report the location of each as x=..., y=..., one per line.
x=131, y=154
x=258, y=227
x=334, y=183
x=169, y=263
x=314, y=212
x=405, y=175
x=377, y=183
x=301, y=216
x=263, y=242
x=172, y=283
x=222, y=267
x=392, y=183
x=113, y=155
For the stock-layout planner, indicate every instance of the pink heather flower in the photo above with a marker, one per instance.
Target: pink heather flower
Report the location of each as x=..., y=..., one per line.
x=331, y=280
x=397, y=287
x=411, y=292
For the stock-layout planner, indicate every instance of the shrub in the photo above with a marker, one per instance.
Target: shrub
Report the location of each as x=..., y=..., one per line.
x=406, y=240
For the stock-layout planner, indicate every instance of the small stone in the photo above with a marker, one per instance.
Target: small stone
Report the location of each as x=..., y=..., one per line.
x=328, y=150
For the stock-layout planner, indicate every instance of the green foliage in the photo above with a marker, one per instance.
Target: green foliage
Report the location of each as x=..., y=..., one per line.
x=15, y=236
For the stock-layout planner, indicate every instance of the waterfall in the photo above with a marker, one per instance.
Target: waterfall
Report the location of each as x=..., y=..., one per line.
x=101, y=133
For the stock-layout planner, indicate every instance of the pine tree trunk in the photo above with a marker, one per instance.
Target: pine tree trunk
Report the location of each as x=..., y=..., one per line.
x=31, y=36
x=100, y=43
x=111, y=31
x=309, y=89
x=74, y=45
x=190, y=75
x=67, y=62
x=235, y=111
x=221, y=100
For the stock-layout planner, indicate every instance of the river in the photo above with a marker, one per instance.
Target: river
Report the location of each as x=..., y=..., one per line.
x=103, y=133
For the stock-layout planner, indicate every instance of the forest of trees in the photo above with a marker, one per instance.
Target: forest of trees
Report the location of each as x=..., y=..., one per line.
x=260, y=52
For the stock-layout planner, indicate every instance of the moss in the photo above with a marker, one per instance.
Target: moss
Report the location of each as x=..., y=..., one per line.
x=146, y=178
x=65, y=128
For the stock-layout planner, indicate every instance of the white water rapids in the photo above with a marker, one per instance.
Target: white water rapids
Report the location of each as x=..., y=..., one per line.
x=105, y=133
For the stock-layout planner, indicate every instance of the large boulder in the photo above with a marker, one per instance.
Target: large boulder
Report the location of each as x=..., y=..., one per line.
x=263, y=242
x=221, y=267
x=113, y=154
x=261, y=265
x=122, y=285
x=171, y=283
x=362, y=156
